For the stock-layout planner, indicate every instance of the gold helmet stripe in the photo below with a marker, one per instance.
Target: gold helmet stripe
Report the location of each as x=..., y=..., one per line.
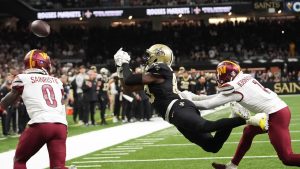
x=233, y=64
x=44, y=55
x=30, y=58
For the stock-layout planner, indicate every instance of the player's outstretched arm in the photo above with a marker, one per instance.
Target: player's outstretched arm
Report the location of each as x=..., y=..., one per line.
x=10, y=98
x=193, y=97
x=132, y=82
x=135, y=82
x=218, y=100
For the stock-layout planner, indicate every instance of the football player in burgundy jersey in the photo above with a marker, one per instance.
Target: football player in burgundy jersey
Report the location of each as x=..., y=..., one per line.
x=234, y=85
x=42, y=95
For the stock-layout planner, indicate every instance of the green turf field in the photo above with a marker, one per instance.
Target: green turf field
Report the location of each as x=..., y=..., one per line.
x=168, y=149
x=10, y=142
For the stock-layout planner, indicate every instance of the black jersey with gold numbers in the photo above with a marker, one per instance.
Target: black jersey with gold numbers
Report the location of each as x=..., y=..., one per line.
x=184, y=84
x=161, y=95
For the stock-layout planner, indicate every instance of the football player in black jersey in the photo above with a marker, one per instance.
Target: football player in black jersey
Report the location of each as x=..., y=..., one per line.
x=160, y=84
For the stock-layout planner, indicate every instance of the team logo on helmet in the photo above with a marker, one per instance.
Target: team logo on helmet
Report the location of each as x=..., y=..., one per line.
x=227, y=71
x=37, y=59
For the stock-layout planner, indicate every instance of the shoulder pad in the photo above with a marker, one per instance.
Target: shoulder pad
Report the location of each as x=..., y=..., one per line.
x=160, y=69
x=226, y=89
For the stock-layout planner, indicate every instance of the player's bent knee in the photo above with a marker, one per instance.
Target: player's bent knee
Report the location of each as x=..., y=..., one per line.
x=247, y=131
x=212, y=148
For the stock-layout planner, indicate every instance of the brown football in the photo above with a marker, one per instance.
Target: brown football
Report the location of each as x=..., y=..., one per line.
x=40, y=28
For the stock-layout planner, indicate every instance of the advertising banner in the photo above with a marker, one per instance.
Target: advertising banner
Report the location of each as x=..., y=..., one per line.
x=292, y=6
x=140, y=12
x=284, y=87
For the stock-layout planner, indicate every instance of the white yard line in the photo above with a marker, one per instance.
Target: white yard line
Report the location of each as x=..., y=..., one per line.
x=127, y=148
x=92, y=141
x=169, y=159
x=118, y=151
x=190, y=144
x=87, y=166
x=89, y=142
x=240, y=133
x=99, y=158
x=131, y=144
x=110, y=154
x=149, y=139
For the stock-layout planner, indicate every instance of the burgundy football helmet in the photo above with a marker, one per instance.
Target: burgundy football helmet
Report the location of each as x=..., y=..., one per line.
x=37, y=59
x=227, y=71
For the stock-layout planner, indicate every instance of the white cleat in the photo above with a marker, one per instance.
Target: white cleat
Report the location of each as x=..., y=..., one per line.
x=238, y=110
x=261, y=120
x=72, y=167
x=224, y=166
x=115, y=119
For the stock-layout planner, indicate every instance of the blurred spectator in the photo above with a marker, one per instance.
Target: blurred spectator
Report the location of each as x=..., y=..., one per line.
x=90, y=97
x=118, y=99
x=211, y=84
x=184, y=82
x=193, y=80
x=201, y=86
x=102, y=87
x=76, y=85
x=292, y=49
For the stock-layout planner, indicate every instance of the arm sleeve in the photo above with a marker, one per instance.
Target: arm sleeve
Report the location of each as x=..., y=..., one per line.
x=226, y=88
x=202, y=97
x=129, y=78
x=18, y=85
x=217, y=100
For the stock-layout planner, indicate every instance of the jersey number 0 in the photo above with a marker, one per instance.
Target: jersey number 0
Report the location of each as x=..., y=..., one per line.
x=49, y=95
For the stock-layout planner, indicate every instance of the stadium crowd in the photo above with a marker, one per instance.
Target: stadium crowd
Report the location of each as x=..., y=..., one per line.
x=57, y=4
x=250, y=41
x=92, y=86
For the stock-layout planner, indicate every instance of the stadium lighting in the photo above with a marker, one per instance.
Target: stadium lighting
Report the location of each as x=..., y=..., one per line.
x=180, y=15
x=279, y=11
x=130, y=17
x=282, y=32
x=80, y=18
x=229, y=13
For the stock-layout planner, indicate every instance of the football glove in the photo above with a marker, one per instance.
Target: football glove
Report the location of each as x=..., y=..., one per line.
x=121, y=57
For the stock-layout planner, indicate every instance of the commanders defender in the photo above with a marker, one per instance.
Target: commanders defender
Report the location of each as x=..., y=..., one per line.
x=43, y=98
x=161, y=87
x=246, y=90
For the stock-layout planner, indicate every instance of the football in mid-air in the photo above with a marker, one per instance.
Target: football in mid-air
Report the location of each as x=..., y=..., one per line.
x=40, y=28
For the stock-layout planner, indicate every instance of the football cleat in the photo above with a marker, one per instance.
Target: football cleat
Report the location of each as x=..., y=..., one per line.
x=261, y=120
x=72, y=167
x=239, y=111
x=224, y=166
x=218, y=166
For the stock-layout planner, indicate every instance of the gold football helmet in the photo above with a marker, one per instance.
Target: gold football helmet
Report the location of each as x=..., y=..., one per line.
x=159, y=53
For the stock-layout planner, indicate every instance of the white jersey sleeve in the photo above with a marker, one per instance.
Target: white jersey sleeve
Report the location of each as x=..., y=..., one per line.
x=255, y=97
x=42, y=96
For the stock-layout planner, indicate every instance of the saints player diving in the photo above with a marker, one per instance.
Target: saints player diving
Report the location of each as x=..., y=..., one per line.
x=160, y=85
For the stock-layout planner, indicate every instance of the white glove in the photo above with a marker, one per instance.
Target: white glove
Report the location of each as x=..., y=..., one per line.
x=121, y=57
x=186, y=95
